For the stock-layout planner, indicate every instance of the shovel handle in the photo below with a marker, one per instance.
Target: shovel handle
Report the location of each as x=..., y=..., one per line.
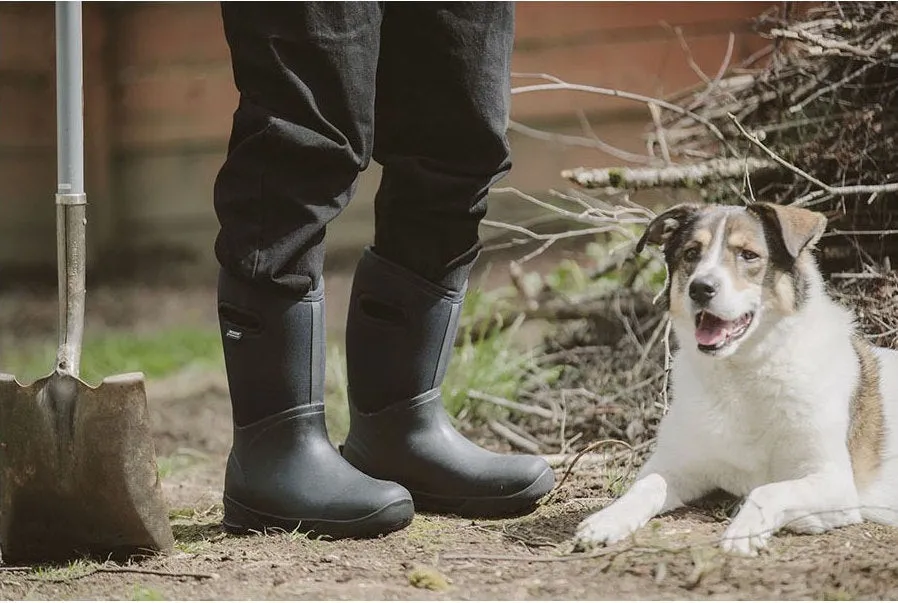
x=70, y=198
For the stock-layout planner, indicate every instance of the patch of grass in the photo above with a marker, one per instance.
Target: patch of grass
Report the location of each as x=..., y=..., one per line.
x=191, y=547
x=213, y=512
x=336, y=394
x=427, y=533
x=155, y=354
x=195, y=529
x=490, y=361
x=427, y=578
x=617, y=477
x=179, y=461
x=64, y=573
x=837, y=594
x=303, y=539
x=145, y=593
x=187, y=534
x=181, y=513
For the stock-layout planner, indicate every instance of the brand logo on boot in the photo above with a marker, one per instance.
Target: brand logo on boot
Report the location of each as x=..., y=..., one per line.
x=235, y=335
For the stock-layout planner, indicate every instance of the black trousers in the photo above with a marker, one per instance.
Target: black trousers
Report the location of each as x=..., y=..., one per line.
x=422, y=87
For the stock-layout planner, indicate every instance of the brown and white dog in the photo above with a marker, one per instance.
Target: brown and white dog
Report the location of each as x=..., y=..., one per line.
x=774, y=394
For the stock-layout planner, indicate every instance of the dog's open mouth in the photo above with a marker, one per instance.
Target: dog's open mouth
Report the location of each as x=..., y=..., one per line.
x=713, y=333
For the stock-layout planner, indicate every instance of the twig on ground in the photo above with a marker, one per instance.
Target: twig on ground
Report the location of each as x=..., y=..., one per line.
x=523, y=558
x=514, y=439
x=520, y=431
x=596, y=460
x=528, y=409
x=637, y=386
x=585, y=451
x=123, y=570
x=151, y=572
x=587, y=460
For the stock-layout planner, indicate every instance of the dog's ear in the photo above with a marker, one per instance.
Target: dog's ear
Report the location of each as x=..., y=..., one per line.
x=665, y=224
x=798, y=228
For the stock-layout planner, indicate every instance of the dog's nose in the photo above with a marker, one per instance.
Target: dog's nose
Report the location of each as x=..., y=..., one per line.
x=702, y=290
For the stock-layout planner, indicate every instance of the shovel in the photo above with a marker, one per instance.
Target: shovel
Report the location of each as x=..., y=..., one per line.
x=78, y=472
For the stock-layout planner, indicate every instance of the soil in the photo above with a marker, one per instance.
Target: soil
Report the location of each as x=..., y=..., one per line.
x=436, y=557
x=451, y=558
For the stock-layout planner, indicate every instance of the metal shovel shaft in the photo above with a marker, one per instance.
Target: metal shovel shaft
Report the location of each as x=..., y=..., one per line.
x=70, y=197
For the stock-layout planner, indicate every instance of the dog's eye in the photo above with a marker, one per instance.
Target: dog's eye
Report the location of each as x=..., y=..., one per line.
x=691, y=254
x=748, y=255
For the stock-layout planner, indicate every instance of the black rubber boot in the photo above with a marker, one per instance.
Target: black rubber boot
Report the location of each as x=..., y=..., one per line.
x=283, y=471
x=400, y=335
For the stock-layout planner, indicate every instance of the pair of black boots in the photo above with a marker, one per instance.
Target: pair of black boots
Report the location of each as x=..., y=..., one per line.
x=401, y=454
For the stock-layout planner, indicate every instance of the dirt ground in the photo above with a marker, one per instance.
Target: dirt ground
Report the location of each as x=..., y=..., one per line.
x=448, y=558
x=675, y=557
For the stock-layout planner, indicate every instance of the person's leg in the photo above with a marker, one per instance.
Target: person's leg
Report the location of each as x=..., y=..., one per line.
x=301, y=135
x=441, y=114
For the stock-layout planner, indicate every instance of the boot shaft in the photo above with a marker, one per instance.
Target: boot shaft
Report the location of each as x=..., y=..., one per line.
x=399, y=334
x=274, y=348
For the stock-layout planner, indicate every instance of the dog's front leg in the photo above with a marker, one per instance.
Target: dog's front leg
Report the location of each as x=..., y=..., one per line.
x=648, y=496
x=820, y=502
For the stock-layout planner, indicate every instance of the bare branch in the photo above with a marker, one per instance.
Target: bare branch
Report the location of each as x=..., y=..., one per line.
x=827, y=44
x=580, y=141
x=827, y=89
x=558, y=84
x=557, y=236
x=659, y=132
x=854, y=189
x=676, y=176
x=862, y=233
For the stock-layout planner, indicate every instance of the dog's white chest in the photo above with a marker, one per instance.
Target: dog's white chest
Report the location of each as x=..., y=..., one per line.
x=739, y=427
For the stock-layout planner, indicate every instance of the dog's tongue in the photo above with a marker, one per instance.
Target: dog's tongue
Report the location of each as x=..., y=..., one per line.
x=711, y=330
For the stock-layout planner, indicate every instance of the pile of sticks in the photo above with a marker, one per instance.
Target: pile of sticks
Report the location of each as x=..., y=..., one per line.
x=812, y=120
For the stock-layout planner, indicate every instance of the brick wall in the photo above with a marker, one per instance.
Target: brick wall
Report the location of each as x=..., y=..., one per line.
x=159, y=98
x=174, y=95
x=28, y=132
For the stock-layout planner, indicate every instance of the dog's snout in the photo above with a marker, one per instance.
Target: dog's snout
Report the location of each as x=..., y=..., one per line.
x=702, y=290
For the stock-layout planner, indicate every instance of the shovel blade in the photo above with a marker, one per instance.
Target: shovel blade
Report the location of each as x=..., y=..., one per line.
x=78, y=472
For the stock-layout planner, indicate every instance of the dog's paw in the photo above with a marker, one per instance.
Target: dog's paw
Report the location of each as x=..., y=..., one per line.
x=749, y=532
x=605, y=527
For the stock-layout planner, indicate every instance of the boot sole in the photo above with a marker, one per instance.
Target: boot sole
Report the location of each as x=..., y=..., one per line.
x=495, y=507
x=240, y=519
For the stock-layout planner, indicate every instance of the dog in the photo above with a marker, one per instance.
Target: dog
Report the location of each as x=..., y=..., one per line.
x=775, y=396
